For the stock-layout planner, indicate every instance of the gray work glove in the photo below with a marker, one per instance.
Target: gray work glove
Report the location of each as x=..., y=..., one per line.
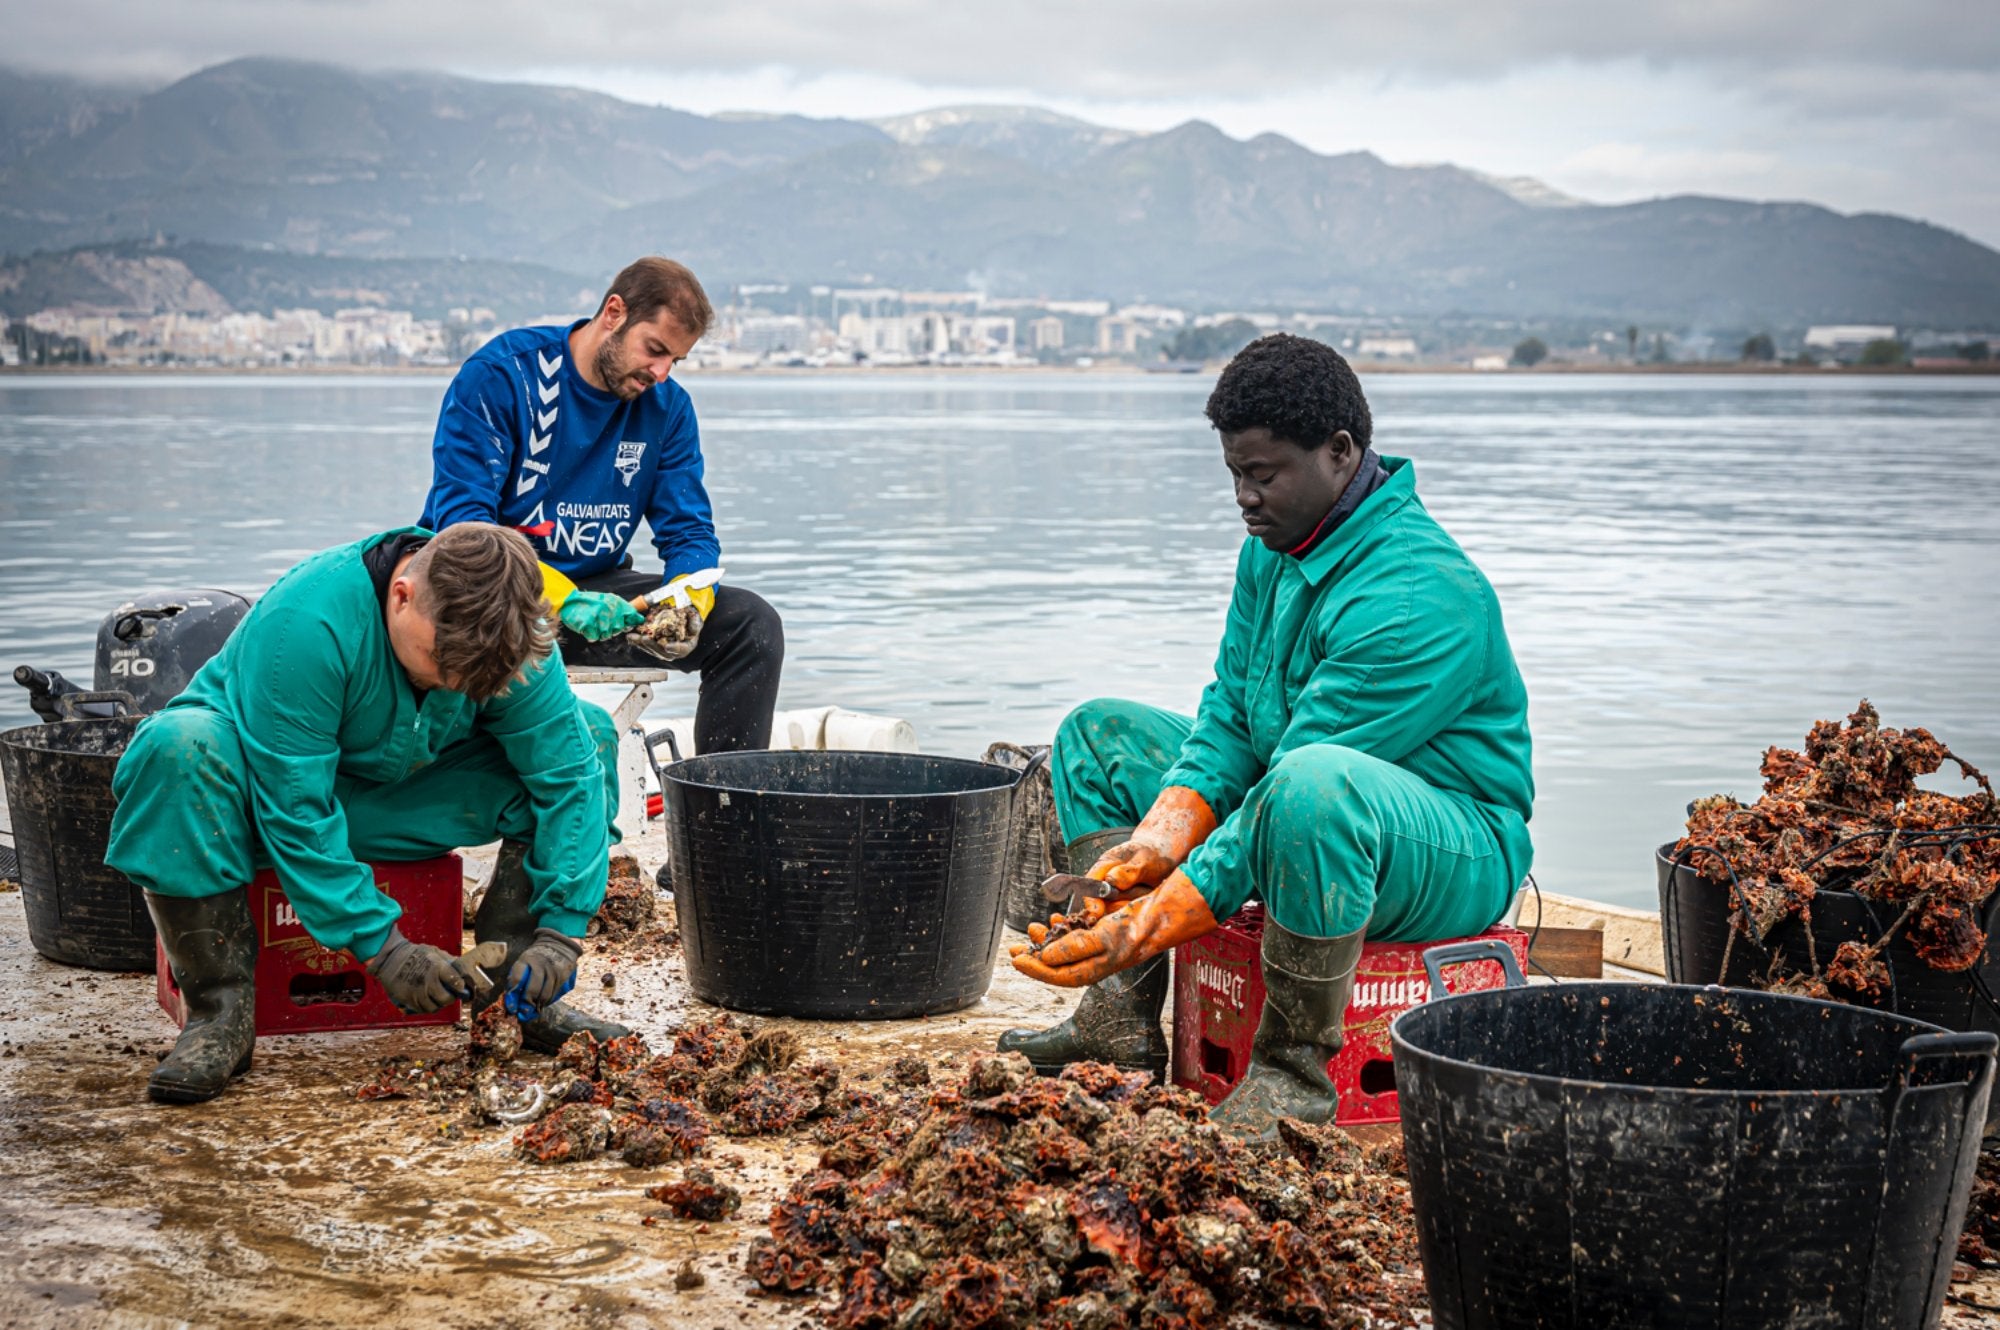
x=418, y=977
x=542, y=973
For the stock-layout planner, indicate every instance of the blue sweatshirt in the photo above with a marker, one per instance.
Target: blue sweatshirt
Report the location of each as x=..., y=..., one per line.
x=524, y=441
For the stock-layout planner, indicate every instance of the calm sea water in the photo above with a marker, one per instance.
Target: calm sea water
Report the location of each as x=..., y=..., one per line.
x=1692, y=568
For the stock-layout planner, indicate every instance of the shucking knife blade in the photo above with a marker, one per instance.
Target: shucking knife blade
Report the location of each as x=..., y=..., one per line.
x=1065, y=887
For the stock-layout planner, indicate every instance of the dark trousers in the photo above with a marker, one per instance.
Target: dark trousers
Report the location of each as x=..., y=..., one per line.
x=739, y=656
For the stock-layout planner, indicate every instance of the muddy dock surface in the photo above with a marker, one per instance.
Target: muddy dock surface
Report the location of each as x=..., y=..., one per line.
x=289, y=1202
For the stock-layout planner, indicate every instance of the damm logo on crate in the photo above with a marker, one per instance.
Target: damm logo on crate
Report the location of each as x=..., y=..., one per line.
x=279, y=926
x=1226, y=983
x=1398, y=991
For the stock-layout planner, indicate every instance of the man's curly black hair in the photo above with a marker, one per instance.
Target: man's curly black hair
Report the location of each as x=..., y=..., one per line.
x=1299, y=389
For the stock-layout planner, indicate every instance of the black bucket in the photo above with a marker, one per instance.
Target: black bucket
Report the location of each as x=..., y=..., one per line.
x=1694, y=919
x=839, y=885
x=58, y=781
x=1604, y=1155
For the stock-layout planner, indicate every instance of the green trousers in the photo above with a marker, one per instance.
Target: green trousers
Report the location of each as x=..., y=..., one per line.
x=186, y=827
x=1330, y=839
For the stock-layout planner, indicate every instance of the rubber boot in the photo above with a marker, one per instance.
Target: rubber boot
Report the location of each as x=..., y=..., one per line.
x=1307, y=982
x=506, y=915
x=211, y=946
x=1118, y=1018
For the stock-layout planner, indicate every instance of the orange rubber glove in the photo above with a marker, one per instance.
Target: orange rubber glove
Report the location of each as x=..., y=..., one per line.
x=1178, y=821
x=1160, y=921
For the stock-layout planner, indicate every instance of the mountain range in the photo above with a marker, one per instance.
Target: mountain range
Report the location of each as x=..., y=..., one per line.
x=259, y=165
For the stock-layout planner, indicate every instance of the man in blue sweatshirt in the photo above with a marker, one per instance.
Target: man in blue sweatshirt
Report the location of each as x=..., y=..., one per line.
x=570, y=436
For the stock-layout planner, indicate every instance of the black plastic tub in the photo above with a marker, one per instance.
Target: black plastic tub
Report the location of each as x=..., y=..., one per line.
x=59, y=800
x=1604, y=1155
x=839, y=885
x=1694, y=921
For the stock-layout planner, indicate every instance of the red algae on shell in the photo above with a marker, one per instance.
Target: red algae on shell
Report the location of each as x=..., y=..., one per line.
x=1846, y=814
x=1088, y=1199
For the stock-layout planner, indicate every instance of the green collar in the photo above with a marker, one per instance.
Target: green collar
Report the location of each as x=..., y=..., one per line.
x=1397, y=491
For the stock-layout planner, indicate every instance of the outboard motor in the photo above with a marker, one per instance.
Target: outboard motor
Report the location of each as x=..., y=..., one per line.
x=148, y=650
x=152, y=645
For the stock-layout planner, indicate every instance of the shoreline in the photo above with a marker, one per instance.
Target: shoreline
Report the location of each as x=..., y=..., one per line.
x=1718, y=368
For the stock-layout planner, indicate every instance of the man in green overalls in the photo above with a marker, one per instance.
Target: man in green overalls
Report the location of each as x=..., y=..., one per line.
x=1360, y=763
x=392, y=699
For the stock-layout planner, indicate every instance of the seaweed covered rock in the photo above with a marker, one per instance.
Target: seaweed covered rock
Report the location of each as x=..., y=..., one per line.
x=628, y=901
x=1846, y=813
x=1090, y=1199
x=620, y=1097
x=699, y=1194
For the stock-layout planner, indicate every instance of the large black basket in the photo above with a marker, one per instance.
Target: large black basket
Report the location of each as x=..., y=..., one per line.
x=839, y=885
x=1037, y=848
x=1604, y=1155
x=59, y=801
x=1694, y=922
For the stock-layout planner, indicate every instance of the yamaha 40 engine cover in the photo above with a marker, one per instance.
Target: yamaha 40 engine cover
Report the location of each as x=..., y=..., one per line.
x=152, y=645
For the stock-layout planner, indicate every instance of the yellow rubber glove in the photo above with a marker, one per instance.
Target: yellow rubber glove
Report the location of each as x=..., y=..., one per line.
x=556, y=588
x=696, y=589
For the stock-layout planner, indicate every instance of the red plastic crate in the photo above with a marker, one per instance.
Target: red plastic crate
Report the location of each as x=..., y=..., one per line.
x=1219, y=998
x=302, y=987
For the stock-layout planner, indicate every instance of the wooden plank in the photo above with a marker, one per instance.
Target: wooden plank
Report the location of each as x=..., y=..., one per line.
x=1631, y=937
x=1567, y=953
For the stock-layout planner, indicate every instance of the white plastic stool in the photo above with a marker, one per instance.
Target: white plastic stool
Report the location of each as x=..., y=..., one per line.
x=632, y=763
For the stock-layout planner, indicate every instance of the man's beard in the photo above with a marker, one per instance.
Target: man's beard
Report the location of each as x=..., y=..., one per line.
x=615, y=371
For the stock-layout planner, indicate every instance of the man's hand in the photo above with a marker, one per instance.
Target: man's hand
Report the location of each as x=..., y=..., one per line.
x=418, y=977
x=597, y=615
x=541, y=974
x=696, y=589
x=1178, y=821
x=1161, y=921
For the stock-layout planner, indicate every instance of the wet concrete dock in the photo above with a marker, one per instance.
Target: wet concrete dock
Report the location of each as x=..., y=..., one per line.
x=288, y=1202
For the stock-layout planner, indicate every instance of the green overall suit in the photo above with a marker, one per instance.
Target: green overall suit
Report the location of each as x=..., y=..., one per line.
x=1364, y=743
x=302, y=746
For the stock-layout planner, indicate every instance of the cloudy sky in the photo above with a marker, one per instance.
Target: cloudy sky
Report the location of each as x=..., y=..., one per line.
x=1864, y=105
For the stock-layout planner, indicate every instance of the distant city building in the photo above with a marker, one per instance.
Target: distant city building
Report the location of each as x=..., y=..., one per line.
x=929, y=335
x=285, y=337
x=769, y=334
x=1046, y=334
x=1087, y=309
x=1159, y=316
x=983, y=335
x=942, y=299
x=1847, y=336
x=1387, y=348
x=1263, y=322
x=1485, y=363
x=1117, y=335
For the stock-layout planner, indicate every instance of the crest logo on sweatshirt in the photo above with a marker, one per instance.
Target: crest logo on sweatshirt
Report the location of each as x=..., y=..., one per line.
x=629, y=454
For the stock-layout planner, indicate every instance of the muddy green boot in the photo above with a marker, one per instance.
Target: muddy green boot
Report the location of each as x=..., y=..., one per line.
x=1307, y=981
x=211, y=946
x=506, y=915
x=1118, y=1019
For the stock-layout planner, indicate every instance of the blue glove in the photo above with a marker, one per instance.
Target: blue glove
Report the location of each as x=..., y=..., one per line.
x=597, y=615
x=542, y=973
